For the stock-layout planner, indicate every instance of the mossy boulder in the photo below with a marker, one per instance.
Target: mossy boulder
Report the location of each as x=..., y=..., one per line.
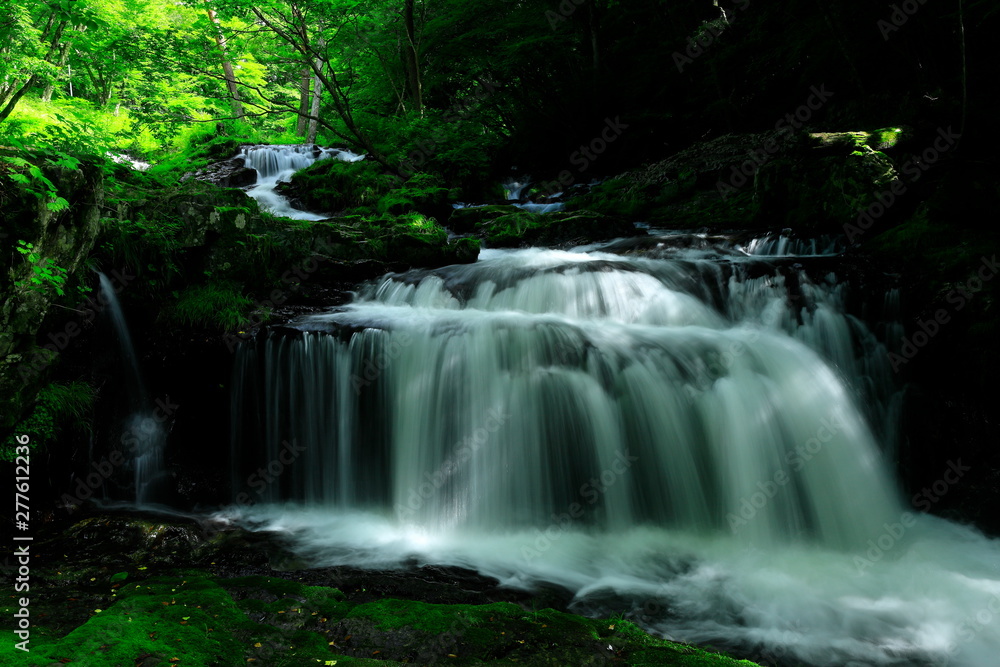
x=775, y=179
x=466, y=220
x=820, y=193
x=524, y=228
x=335, y=187
x=60, y=238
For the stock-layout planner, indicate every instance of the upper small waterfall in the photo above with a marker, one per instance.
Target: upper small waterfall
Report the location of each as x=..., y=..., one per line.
x=276, y=164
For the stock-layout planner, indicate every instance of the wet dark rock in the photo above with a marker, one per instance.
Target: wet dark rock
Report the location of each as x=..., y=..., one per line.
x=231, y=173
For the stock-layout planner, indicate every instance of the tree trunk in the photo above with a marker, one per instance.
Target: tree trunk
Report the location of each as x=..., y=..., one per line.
x=15, y=98
x=227, y=67
x=303, y=121
x=413, y=59
x=317, y=95
x=354, y=134
x=51, y=87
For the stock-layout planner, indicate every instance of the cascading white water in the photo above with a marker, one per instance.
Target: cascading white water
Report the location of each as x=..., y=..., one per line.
x=143, y=433
x=678, y=440
x=276, y=164
x=781, y=245
x=534, y=207
x=514, y=188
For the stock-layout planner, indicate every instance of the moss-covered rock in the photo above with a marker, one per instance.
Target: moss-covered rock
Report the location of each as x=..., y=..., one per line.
x=820, y=193
x=187, y=617
x=466, y=220
x=777, y=179
x=524, y=228
x=62, y=413
x=56, y=239
x=336, y=187
x=130, y=606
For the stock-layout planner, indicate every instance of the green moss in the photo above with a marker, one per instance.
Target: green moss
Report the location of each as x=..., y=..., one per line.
x=159, y=619
x=59, y=408
x=523, y=228
x=885, y=138
x=185, y=617
x=218, y=305
x=333, y=186
x=615, y=197
x=424, y=193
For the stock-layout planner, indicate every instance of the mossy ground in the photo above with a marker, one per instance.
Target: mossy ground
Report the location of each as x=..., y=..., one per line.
x=187, y=617
x=101, y=606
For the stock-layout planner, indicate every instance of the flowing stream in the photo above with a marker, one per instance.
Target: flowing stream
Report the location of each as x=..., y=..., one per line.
x=276, y=164
x=702, y=441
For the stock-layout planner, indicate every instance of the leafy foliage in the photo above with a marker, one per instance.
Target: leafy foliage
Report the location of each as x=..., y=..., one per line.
x=218, y=305
x=59, y=407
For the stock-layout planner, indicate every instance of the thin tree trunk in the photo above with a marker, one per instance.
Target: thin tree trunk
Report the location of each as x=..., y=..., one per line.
x=413, y=58
x=354, y=134
x=15, y=98
x=227, y=66
x=303, y=120
x=317, y=96
x=51, y=87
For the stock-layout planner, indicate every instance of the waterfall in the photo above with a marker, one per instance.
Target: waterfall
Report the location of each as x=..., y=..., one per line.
x=534, y=207
x=514, y=188
x=276, y=164
x=782, y=245
x=143, y=434
x=693, y=442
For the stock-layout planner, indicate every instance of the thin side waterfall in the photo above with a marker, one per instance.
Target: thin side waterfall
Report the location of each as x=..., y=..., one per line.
x=699, y=444
x=143, y=435
x=276, y=164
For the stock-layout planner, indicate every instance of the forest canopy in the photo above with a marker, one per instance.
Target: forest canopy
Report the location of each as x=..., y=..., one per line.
x=452, y=86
